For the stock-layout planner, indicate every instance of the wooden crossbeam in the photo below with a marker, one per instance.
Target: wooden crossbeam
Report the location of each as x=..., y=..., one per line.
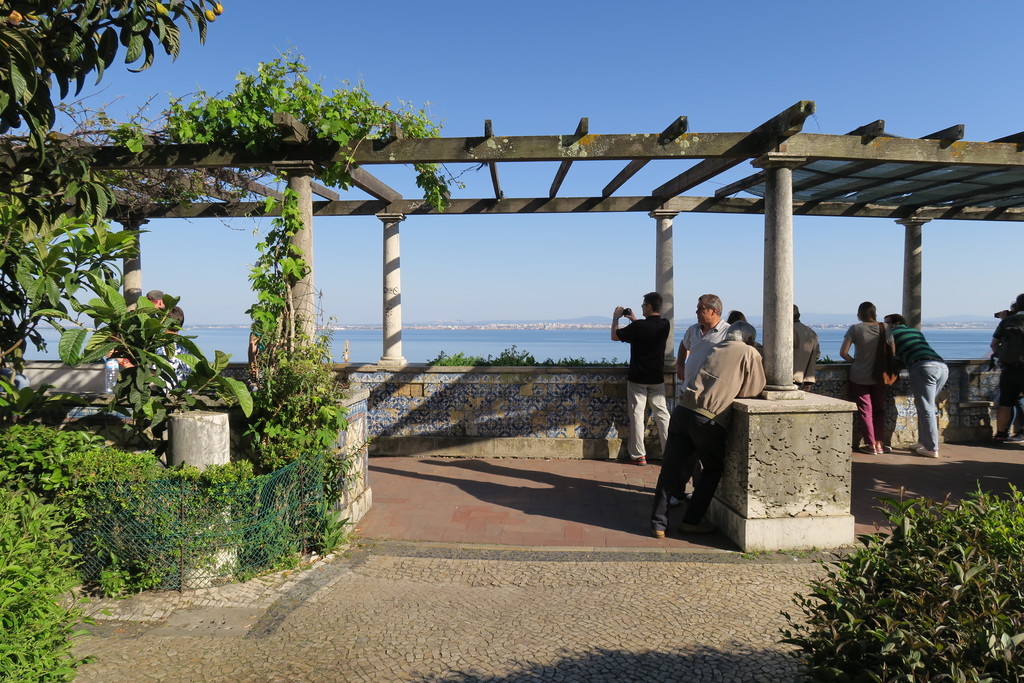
x=373, y=186
x=291, y=129
x=325, y=192
x=518, y=205
x=741, y=184
x=673, y=131
x=920, y=170
x=1016, y=138
x=764, y=138
x=582, y=129
x=952, y=133
x=875, y=129
x=492, y=166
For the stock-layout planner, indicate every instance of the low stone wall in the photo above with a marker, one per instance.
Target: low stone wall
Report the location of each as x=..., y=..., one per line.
x=965, y=405
x=573, y=412
x=544, y=412
x=580, y=412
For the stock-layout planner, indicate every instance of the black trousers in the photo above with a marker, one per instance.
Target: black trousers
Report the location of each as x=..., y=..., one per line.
x=691, y=438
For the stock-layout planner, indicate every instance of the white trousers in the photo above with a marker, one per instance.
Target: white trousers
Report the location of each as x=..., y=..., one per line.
x=639, y=396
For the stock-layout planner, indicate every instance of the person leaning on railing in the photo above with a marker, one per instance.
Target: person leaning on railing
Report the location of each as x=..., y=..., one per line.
x=928, y=374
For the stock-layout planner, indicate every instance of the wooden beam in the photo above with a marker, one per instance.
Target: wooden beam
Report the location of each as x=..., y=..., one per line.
x=1016, y=138
x=550, y=148
x=486, y=206
x=673, y=131
x=952, y=133
x=763, y=139
x=373, y=186
x=291, y=129
x=582, y=129
x=742, y=184
x=875, y=129
x=491, y=166
x=884, y=194
x=625, y=174
x=325, y=192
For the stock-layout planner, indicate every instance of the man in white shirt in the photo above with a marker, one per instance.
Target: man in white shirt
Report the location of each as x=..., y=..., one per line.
x=697, y=342
x=700, y=337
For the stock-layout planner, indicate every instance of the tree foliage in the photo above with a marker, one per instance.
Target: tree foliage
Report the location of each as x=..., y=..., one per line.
x=60, y=44
x=148, y=387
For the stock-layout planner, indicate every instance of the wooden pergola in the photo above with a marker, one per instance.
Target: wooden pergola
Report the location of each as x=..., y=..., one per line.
x=863, y=173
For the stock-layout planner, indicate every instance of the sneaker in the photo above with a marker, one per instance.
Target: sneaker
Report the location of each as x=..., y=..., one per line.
x=658, y=533
x=885, y=449
x=913, y=447
x=702, y=527
x=1000, y=437
x=925, y=453
x=1016, y=438
x=870, y=450
x=642, y=460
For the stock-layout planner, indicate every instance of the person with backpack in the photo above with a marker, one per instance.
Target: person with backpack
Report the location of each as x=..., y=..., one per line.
x=1008, y=348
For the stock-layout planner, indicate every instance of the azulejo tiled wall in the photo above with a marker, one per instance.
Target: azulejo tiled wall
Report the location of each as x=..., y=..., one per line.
x=578, y=403
x=456, y=406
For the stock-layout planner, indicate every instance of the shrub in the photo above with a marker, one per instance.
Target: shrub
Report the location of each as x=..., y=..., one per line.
x=513, y=357
x=298, y=407
x=939, y=598
x=35, y=568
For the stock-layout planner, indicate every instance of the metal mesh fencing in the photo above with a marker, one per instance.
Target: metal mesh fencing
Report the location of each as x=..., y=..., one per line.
x=178, y=534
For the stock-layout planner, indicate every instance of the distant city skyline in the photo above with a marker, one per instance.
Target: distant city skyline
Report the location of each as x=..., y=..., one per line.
x=629, y=69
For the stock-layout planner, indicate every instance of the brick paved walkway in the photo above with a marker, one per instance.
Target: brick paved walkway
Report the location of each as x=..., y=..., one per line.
x=506, y=570
x=601, y=504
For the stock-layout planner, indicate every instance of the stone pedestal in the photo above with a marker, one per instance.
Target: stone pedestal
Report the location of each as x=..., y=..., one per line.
x=199, y=438
x=787, y=477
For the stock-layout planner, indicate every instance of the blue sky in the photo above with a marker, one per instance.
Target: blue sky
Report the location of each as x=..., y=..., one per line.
x=535, y=69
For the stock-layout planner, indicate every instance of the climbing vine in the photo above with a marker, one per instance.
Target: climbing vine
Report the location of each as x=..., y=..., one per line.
x=298, y=403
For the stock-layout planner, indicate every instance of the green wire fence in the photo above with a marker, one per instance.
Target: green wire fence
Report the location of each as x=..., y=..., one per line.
x=177, y=534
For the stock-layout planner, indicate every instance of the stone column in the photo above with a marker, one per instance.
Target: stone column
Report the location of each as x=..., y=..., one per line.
x=392, y=291
x=912, y=269
x=132, y=266
x=200, y=438
x=778, y=275
x=663, y=275
x=300, y=178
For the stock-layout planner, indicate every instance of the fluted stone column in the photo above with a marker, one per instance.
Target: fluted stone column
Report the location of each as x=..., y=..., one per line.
x=912, y=270
x=132, y=266
x=664, y=274
x=392, y=291
x=778, y=275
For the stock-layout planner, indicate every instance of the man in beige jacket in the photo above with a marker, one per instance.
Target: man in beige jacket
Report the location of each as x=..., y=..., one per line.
x=731, y=370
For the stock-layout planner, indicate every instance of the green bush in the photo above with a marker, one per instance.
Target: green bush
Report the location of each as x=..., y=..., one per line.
x=939, y=598
x=298, y=407
x=513, y=357
x=35, y=569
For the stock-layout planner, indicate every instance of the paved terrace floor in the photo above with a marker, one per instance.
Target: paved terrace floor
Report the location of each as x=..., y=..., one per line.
x=508, y=570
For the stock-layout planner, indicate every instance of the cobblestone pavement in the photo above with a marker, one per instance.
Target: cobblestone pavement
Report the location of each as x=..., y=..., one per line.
x=397, y=611
x=577, y=592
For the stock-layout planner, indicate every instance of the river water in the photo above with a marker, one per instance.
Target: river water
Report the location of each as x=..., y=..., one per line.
x=592, y=344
